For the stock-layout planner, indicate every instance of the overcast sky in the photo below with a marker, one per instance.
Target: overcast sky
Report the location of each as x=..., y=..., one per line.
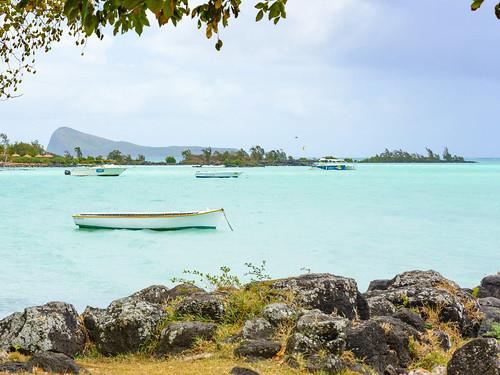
x=347, y=77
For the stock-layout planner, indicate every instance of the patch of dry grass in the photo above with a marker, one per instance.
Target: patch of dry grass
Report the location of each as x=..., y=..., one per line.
x=137, y=365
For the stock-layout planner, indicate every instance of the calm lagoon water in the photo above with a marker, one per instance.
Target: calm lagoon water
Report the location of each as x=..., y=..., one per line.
x=370, y=223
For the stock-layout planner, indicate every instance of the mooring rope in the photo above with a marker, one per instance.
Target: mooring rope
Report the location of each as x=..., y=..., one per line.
x=227, y=221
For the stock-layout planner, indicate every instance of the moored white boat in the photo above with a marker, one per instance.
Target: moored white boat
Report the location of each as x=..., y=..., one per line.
x=217, y=174
x=103, y=171
x=150, y=220
x=332, y=164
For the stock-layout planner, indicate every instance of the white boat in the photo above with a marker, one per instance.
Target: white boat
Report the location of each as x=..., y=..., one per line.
x=101, y=170
x=333, y=164
x=217, y=174
x=150, y=220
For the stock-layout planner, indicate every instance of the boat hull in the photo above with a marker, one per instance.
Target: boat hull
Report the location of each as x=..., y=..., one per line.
x=101, y=172
x=221, y=174
x=342, y=167
x=156, y=221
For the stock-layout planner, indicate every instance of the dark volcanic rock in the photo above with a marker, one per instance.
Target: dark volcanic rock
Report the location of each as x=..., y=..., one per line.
x=479, y=356
x=279, y=313
x=490, y=307
x=12, y=367
x=429, y=288
x=257, y=328
x=243, y=371
x=331, y=364
x=315, y=331
x=123, y=326
x=378, y=285
x=382, y=341
x=184, y=290
x=444, y=340
x=154, y=294
x=380, y=306
x=258, y=349
x=326, y=292
x=205, y=305
x=179, y=336
x=411, y=318
x=490, y=287
x=53, y=326
x=54, y=363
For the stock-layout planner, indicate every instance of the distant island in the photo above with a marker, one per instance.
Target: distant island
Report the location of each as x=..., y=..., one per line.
x=66, y=139
x=401, y=156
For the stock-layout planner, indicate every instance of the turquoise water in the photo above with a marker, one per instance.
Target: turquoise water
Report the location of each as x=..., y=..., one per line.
x=370, y=223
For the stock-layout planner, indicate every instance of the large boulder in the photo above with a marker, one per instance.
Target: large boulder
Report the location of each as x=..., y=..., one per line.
x=381, y=342
x=490, y=307
x=411, y=318
x=490, y=287
x=317, y=331
x=204, y=305
x=258, y=349
x=479, y=356
x=380, y=306
x=431, y=289
x=183, y=290
x=51, y=327
x=158, y=294
x=326, y=292
x=179, y=336
x=331, y=364
x=257, y=328
x=279, y=313
x=57, y=363
x=123, y=326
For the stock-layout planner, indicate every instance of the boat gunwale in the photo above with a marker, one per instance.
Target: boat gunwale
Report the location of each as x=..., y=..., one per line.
x=144, y=215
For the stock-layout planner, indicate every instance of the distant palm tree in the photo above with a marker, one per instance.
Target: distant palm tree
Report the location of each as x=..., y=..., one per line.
x=5, y=142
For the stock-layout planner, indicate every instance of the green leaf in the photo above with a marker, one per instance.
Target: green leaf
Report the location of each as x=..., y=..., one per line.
x=259, y=5
x=218, y=45
x=276, y=20
x=476, y=5
x=497, y=10
x=154, y=5
x=274, y=10
x=260, y=14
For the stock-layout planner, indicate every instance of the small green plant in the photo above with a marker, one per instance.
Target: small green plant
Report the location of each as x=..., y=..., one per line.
x=223, y=281
x=405, y=300
x=257, y=273
x=475, y=291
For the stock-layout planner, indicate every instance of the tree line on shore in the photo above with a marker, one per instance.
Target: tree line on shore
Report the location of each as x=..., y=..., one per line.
x=401, y=156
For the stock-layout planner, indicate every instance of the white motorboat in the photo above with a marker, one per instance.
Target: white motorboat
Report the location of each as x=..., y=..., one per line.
x=151, y=220
x=217, y=174
x=333, y=164
x=101, y=170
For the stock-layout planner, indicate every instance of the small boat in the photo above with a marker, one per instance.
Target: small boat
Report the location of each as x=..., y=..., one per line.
x=332, y=164
x=217, y=174
x=101, y=170
x=151, y=220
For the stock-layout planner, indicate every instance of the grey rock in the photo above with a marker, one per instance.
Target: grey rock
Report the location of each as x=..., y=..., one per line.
x=53, y=326
x=54, y=363
x=444, y=340
x=13, y=367
x=326, y=292
x=479, y=356
x=490, y=307
x=205, y=305
x=184, y=290
x=382, y=341
x=391, y=370
x=123, y=326
x=381, y=284
x=257, y=328
x=299, y=343
x=257, y=349
x=411, y=318
x=243, y=371
x=279, y=313
x=490, y=287
x=429, y=288
x=179, y=336
x=154, y=294
x=380, y=306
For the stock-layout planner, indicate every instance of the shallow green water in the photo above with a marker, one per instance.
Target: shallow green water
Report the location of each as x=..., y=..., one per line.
x=370, y=223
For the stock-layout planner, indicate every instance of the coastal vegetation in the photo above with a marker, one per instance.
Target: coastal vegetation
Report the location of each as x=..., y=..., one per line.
x=30, y=26
x=312, y=323
x=401, y=156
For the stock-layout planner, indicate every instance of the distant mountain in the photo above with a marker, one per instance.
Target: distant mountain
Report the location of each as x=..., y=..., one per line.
x=66, y=139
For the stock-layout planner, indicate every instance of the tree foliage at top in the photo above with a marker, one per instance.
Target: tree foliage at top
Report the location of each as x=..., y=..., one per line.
x=30, y=26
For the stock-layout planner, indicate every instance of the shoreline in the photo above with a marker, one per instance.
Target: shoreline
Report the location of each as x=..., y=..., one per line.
x=311, y=322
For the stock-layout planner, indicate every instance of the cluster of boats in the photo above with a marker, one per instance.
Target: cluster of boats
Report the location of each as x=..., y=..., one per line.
x=169, y=220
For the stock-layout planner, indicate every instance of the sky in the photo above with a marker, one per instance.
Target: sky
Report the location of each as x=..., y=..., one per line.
x=343, y=77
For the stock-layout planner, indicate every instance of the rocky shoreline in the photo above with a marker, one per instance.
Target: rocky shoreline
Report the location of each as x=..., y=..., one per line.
x=415, y=323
